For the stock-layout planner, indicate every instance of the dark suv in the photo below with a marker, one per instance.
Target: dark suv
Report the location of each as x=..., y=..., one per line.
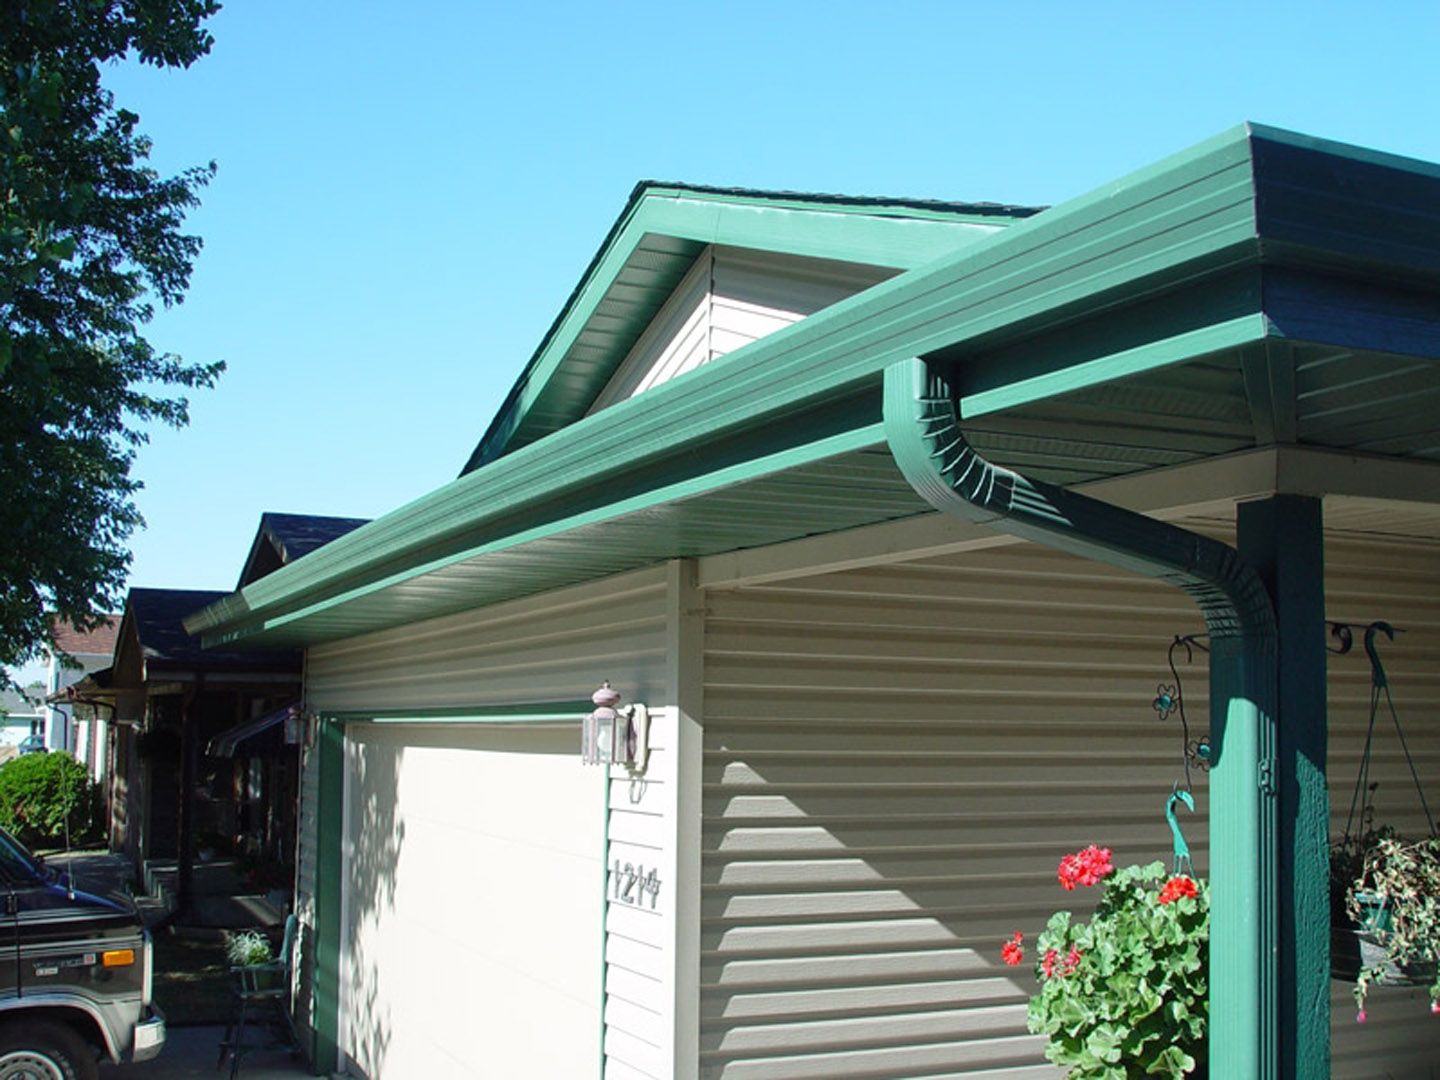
x=75, y=975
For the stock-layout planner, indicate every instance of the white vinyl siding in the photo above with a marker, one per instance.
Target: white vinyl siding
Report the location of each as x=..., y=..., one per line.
x=729, y=298
x=654, y=824
x=639, y=934
x=306, y=863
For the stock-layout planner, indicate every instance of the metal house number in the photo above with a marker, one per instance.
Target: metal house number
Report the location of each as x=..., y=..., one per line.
x=632, y=883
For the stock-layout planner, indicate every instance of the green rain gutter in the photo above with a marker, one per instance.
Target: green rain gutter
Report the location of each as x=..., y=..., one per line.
x=922, y=426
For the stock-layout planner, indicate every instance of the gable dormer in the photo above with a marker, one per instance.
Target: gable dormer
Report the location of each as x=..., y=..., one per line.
x=646, y=309
x=731, y=297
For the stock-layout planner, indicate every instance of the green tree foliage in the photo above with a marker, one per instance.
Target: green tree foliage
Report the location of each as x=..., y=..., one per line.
x=90, y=239
x=40, y=793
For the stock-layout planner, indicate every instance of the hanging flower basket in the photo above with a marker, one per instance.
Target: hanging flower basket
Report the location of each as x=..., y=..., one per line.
x=1359, y=944
x=1393, y=938
x=1124, y=995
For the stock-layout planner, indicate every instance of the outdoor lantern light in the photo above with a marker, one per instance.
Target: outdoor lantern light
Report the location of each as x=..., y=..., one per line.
x=295, y=725
x=615, y=736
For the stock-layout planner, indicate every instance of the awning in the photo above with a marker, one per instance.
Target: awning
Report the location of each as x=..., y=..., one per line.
x=224, y=744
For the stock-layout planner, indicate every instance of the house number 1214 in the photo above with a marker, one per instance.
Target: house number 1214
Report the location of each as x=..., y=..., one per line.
x=632, y=883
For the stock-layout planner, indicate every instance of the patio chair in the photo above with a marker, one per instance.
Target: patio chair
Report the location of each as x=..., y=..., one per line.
x=262, y=986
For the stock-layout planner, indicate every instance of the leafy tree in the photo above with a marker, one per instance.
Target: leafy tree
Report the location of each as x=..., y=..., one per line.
x=90, y=238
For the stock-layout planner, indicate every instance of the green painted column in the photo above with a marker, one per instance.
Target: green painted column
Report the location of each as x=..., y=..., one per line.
x=1283, y=538
x=329, y=827
x=1243, y=917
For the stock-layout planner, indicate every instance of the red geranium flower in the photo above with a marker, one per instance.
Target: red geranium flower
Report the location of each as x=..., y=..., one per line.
x=1175, y=888
x=1011, y=952
x=1047, y=966
x=1086, y=867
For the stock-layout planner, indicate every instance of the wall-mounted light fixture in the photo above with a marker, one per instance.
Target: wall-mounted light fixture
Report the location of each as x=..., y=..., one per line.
x=615, y=736
x=296, y=727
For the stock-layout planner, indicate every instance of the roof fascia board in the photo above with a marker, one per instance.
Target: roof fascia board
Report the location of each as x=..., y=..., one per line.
x=818, y=450
x=863, y=234
x=824, y=232
x=1195, y=209
x=1230, y=334
x=914, y=209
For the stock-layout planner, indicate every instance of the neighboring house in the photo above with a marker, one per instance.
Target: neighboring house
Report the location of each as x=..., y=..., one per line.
x=170, y=699
x=21, y=714
x=889, y=683
x=75, y=654
x=209, y=723
x=283, y=538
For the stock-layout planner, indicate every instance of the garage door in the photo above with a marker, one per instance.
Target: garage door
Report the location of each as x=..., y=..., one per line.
x=472, y=904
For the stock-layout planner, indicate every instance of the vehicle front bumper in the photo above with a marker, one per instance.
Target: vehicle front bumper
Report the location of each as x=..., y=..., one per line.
x=149, y=1035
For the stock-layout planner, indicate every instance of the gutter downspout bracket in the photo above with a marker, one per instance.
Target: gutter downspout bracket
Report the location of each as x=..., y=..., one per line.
x=923, y=429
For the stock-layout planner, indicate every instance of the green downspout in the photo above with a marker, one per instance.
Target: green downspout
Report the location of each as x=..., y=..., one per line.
x=922, y=426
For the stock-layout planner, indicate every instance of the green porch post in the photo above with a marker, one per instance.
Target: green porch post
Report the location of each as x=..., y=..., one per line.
x=1283, y=538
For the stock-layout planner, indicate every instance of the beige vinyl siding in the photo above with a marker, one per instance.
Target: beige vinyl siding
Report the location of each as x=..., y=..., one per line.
x=729, y=298
x=895, y=759
x=554, y=647
x=1397, y=581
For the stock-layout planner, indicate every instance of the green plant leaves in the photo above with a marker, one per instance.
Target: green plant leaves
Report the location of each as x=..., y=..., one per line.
x=1136, y=1001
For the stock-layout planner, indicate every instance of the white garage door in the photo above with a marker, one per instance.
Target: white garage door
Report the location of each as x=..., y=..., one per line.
x=472, y=904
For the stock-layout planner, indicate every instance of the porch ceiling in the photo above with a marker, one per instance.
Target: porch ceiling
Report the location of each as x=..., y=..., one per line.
x=1278, y=393
x=1261, y=290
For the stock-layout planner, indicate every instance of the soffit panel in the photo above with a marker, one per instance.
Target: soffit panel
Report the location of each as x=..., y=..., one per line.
x=844, y=492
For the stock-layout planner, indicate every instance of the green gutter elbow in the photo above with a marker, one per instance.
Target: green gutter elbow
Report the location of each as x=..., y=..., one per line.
x=923, y=429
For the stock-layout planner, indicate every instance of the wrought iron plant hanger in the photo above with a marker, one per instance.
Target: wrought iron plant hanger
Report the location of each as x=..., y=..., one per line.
x=1196, y=753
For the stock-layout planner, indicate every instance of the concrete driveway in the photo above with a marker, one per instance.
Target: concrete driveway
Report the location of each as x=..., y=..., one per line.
x=191, y=1053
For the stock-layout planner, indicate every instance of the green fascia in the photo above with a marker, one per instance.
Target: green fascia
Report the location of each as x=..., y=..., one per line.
x=1230, y=334
x=243, y=619
x=1184, y=220
x=872, y=232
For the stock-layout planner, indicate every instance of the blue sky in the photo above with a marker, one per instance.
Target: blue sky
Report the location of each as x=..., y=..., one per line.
x=407, y=193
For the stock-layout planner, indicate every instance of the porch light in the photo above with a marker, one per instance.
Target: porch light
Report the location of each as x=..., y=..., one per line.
x=615, y=736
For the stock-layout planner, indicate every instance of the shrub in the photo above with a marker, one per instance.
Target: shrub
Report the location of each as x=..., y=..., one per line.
x=41, y=793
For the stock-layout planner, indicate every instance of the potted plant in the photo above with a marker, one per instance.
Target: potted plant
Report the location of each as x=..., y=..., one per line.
x=247, y=948
x=1347, y=863
x=1125, y=994
x=1394, y=902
